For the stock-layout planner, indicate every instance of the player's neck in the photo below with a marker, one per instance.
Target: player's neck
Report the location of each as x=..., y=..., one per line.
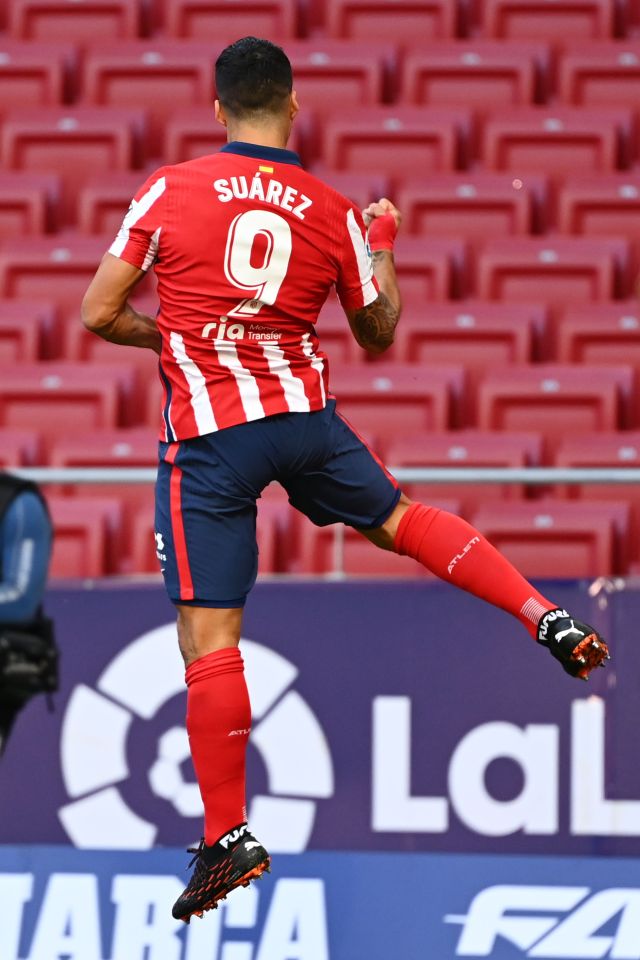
x=272, y=136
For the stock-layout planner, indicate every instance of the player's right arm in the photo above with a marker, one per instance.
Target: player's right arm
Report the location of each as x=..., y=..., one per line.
x=373, y=324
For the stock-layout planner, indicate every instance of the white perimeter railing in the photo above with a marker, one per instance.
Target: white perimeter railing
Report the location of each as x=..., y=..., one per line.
x=531, y=476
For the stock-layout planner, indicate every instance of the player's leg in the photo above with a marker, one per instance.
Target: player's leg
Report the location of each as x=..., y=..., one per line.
x=354, y=487
x=202, y=520
x=459, y=554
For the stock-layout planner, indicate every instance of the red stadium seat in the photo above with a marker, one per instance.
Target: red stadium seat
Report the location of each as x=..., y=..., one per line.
x=601, y=74
x=478, y=73
x=19, y=448
x=76, y=23
x=59, y=268
x=30, y=325
x=162, y=77
x=465, y=448
x=56, y=268
x=361, y=188
x=28, y=203
x=557, y=400
x=396, y=141
x=600, y=333
x=472, y=206
x=601, y=205
x=431, y=269
x=553, y=538
x=619, y=450
x=558, y=270
x=474, y=331
x=226, y=19
x=541, y=20
x=34, y=74
x=52, y=396
x=557, y=140
x=404, y=21
x=87, y=536
x=132, y=447
x=77, y=144
x=338, y=549
x=103, y=202
x=477, y=338
x=381, y=399
x=195, y=133
x=338, y=71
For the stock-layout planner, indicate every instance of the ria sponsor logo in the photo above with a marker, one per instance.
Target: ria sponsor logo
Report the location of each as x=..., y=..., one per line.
x=222, y=330
x=552, y=922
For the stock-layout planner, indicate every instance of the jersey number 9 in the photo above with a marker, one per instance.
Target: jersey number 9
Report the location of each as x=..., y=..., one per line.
x=265, y=278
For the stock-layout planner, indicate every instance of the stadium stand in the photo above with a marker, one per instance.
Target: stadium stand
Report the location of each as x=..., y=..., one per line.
x=73, y=143
x=556, y=538
x=78, y=23
x=217, y=19
x=557, y=400
x=600, y=74
x=473, y=206
x=34, y=74
x=478, y=73
x=401, y=24
x=559, y=140
x=507, y=132
x=466, y=448
x=539, y=20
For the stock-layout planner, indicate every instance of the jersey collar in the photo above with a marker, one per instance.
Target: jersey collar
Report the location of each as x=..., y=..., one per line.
x=262, y=153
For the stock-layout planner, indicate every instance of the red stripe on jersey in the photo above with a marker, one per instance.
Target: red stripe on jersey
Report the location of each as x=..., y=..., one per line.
x=372, y=452
x=177, y=525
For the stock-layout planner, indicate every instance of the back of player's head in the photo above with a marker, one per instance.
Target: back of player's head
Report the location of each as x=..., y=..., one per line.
x=253, y=78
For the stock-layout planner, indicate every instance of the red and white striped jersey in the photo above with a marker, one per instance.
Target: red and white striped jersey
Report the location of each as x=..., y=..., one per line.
x=246, y=247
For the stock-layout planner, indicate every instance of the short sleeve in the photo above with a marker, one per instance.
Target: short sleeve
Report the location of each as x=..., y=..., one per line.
x=356, y=285
x=139, y=236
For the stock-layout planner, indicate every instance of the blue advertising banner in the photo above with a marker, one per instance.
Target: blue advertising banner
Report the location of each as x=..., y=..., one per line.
x=386, y=717
x=57, y=902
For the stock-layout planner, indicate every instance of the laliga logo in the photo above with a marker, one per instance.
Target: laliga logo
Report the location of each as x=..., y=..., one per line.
x=97, y=723
x=527, y=916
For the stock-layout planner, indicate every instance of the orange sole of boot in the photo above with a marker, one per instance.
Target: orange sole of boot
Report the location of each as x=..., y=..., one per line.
x=244, y=881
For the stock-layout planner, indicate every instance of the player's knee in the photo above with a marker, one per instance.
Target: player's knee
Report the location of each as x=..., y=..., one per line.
x=201, y=630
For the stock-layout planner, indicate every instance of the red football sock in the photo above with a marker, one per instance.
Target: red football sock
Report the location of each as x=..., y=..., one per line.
x=218, y=722
x=454, y=551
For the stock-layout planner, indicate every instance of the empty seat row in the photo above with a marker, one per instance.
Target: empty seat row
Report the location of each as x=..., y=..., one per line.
x=470, y=206
x=81, y=143
x=404, y=21
x=477, y=73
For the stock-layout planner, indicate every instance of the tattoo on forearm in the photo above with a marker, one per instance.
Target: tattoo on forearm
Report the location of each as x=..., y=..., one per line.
x=374, y=325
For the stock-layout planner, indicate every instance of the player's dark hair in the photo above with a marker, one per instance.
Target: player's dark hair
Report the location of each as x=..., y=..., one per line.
x=253, y=77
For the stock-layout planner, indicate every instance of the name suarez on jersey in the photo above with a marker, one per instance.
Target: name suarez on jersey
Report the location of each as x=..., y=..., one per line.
x=271, y=191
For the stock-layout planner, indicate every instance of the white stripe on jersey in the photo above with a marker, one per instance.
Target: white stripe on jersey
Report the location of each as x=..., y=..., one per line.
x=135, y=212
x=247, y=383
x=316, y=362
x=200, y=402
x=152, y=251
x=293, y=387
x=365, y=267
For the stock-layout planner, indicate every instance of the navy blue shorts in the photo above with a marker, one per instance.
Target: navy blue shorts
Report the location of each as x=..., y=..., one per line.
x=208, y=486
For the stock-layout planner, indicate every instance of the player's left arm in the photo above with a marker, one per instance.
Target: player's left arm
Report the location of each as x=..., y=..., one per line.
x=373, y=325
x=106, y=309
